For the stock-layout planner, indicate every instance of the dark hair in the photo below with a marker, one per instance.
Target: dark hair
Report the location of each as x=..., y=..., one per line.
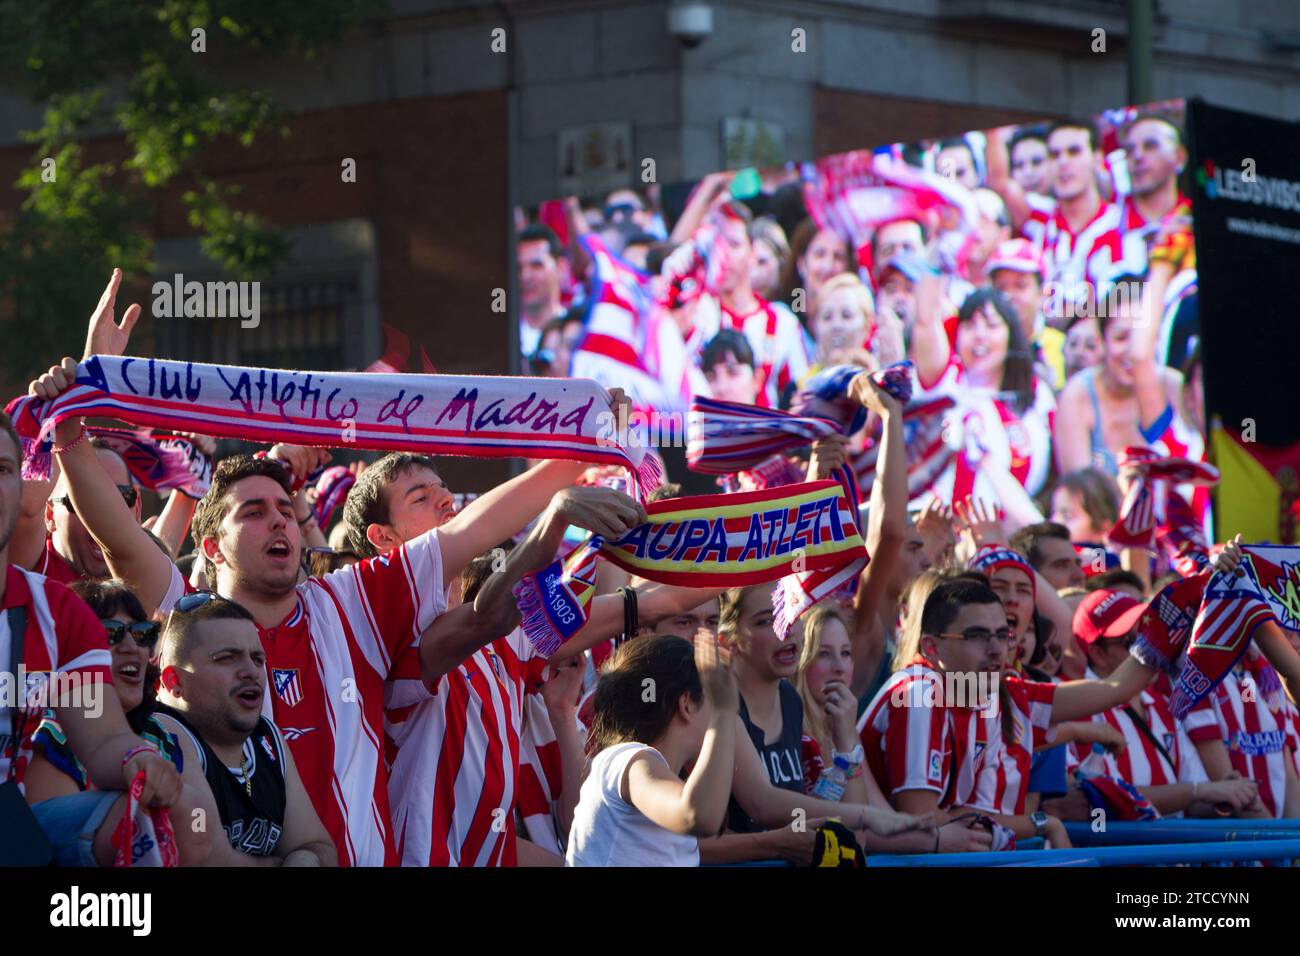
x=875, y=235
x=664, y=663
x=668, y=490
x=107, y=597
x=538, y=232
x=1113, y=580
x=1098, y=493
x=1018, y=366
x=367, y=502
x=1043, y=630
x=212, y=506
x=952, y=142
x=1024, y=133
x=800, y=240
x=655, y=256
x=1029, y=538
x=1088, y=125
x=178, y=631
x=478, y=571
x=726, y=342
x=641, y=238
x=1135, y=286
x=948, y=598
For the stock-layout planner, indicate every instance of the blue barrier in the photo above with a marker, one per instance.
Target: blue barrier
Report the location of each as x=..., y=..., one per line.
x=1157, y=832
x=1196, y=823
x=1109, y=855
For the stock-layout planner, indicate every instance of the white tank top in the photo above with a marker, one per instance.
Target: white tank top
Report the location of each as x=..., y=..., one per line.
x=609, y=831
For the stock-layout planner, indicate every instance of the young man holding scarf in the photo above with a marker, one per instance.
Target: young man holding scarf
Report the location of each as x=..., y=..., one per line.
x=331, y=643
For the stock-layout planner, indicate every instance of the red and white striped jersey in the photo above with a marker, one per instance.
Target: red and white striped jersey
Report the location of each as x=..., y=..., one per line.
x=1124, y=248
x=1041, y=210
x=327, y=664
x=62, y=636
x=1004, y=783
x=541, y=777
x=912, y=743
x=453, y=782
x=1141, y=763
x=1066, y=253
x=982, y=423
x=1258, y=737
x=780, y=356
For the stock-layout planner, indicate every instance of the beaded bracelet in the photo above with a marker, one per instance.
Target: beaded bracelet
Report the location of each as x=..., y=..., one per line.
x=81, y=436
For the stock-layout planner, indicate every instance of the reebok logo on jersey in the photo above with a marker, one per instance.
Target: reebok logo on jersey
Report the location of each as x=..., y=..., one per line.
x=294, y=733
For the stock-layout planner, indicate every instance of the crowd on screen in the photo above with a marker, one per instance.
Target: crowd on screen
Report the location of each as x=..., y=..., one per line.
x=330, y=661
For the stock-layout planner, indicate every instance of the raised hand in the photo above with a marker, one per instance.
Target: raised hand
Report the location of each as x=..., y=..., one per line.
x=602, y=511
x=979, y=521
x=56, y=381
x=105, y=336
x=299, y=459
x=935, y=526
x=827, y=454
x=716, y=676
x=1229, y=559
x=864, y=390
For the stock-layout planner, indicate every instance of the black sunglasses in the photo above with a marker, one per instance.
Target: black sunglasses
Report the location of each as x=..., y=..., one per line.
x=129, y=495
x=144, y=633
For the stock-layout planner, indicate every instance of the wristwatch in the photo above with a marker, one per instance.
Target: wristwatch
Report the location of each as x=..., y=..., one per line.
x=1039, y=819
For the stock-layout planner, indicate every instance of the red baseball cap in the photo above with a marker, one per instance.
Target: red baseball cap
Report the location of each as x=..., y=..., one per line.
x=1016, y=255
x=1106, y=614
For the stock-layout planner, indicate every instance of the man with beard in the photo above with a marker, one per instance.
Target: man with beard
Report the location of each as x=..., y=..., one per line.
x=213, y=680
x=1156, y=156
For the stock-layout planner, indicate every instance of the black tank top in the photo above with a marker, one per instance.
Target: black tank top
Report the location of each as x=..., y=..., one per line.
x=782, y=760
x=253, y=824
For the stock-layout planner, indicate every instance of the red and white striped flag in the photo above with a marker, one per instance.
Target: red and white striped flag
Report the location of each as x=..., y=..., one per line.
x=621, y=345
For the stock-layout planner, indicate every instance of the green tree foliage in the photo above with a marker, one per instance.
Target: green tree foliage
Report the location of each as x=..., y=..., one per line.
x=129, y=70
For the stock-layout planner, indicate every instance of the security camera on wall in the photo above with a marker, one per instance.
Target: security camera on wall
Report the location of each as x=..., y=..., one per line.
x=690, y=23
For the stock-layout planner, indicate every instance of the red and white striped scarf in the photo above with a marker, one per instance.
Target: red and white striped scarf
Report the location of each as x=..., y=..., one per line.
x=477, y=415
x=1144, y=506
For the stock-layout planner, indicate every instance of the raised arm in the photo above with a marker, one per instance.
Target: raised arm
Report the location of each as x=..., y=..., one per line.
x=1071, y=435
x=997, y=165
x=174, y=520
x=699, y=805
x=1077, y=699
x=457, y=634
x=930, y=346
x=698, y=204
x=886, y=532
x=506, y=509
x=129, y=551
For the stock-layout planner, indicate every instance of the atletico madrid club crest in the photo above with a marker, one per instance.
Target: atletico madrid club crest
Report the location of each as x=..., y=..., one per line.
x=287, y=687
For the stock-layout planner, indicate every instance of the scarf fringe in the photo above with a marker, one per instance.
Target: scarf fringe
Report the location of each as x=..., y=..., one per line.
x=536, y=622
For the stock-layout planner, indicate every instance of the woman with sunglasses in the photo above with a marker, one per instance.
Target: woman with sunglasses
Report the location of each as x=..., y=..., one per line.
x=55, y=770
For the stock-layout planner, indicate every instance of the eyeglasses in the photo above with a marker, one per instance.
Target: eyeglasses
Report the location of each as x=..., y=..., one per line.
x=622, y=210
x=978, y=635
x=144, y=633
x=129, y=495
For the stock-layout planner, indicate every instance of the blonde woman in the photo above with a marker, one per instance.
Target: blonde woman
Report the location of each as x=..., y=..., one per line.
x=832, y=752
x=846, y=324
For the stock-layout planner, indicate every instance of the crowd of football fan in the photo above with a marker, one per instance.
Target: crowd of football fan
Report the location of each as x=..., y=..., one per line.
x=350, y=684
